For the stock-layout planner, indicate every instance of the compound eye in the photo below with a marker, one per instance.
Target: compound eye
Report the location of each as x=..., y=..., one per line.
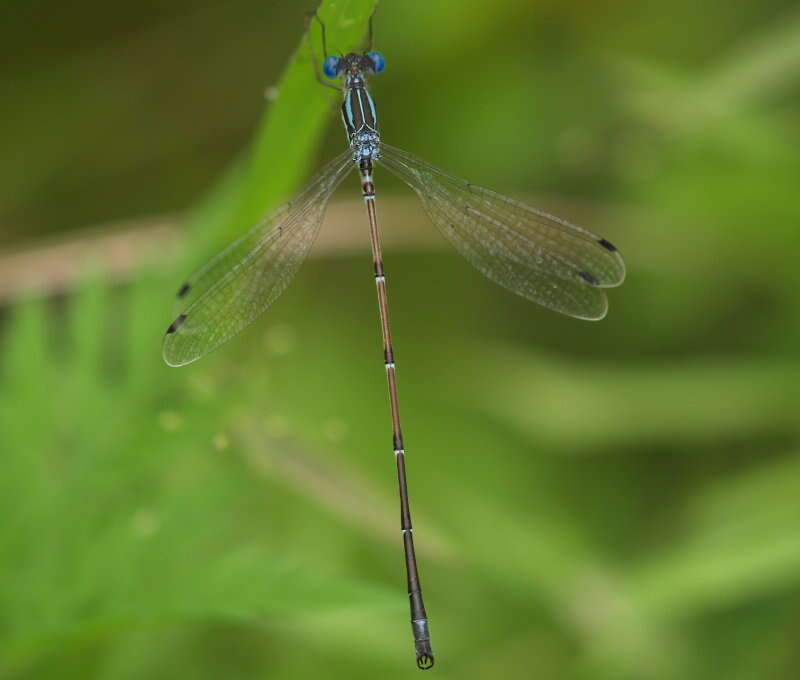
x=378, y=62
x=331, y=67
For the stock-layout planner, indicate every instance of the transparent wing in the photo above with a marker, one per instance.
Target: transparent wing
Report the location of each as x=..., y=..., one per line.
x=541, y=257
x=229, y=292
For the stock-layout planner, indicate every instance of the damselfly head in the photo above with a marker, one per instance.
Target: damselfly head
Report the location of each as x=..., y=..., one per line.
x=353, y=64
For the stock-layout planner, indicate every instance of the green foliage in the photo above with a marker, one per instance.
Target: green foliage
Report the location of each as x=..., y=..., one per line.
x=289, y=133
x=613, y=500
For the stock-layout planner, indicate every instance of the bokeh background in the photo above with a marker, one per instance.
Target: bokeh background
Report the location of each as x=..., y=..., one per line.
x=591, y=500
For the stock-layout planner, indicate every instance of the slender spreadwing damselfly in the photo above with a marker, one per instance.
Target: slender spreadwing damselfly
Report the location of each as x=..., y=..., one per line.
x=533, y=254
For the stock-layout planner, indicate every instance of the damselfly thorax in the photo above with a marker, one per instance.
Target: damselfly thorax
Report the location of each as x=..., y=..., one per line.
x=358, y=109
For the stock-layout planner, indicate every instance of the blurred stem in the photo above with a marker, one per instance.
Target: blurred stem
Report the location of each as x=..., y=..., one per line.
x=747, y=76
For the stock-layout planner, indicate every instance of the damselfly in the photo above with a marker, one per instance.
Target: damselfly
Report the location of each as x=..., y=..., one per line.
x=536, y=255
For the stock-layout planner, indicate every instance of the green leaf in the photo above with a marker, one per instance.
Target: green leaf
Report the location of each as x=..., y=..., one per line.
x=289, y=133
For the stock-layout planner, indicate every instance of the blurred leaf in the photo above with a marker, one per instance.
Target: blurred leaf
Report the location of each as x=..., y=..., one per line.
x=741, y=545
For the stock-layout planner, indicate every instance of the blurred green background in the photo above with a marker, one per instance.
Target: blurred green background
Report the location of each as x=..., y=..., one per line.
x=591, y=500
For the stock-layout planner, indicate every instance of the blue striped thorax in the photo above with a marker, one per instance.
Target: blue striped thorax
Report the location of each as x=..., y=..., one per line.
x=358, y=110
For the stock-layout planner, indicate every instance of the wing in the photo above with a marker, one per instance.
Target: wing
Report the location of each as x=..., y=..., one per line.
x=538, y=256
x=229, y=292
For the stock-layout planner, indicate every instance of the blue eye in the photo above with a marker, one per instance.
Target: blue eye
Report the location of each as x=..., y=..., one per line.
x=378, y=62
x=331, y=67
